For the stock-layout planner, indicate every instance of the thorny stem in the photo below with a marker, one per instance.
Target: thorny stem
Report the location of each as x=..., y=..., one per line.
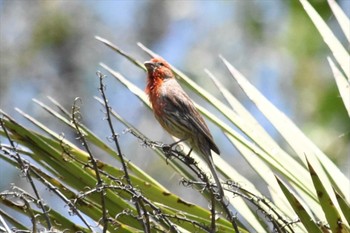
x=75, y=111
x=26, y=170
x=60, y=195
x=30, y=210
x=222, y=199
x=251, y=197
x=157, y=211
x=131, y=190
x=255, y=200
x=142, y=216
x=193, y=167
x=40, y=175
x=213, y=213
x=25, y=206
x=201, y=175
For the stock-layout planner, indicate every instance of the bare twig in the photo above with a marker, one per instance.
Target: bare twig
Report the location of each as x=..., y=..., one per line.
x=39, y=175
x=26, y=169
x=143, y=215
x=193, y=166
x=274, y=217
x=100, y=183
x=129, y=189
x=25, y=206
x=213, y=213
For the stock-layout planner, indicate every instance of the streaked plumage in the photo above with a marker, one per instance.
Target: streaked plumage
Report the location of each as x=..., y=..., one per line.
x=176, y=112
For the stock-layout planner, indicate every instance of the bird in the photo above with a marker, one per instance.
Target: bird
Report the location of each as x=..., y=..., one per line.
x=177, y=114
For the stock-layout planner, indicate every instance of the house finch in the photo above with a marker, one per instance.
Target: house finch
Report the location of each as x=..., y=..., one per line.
x=177, y=114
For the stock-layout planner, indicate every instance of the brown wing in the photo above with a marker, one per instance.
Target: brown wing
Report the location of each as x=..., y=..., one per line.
x=180, y=106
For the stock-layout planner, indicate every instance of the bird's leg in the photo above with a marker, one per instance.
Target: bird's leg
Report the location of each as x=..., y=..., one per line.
x=175, y=143
x=168, y=147
x=188, y=154
x=189, y=160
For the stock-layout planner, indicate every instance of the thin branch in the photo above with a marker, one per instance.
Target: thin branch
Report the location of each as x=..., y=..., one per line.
x=256, y=200
x=38, y=174
x=193, y=166
x=157, y=213
x=61, y=196
x=213, y=214
x=26, y=171
x=25, y=206
x=100, y=183
x=143, y=216
x=128, y=188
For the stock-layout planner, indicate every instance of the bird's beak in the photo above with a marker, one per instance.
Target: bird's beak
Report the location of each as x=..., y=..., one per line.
x=149, y=65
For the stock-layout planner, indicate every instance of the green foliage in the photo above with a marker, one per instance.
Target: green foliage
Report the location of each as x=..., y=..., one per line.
x=303, y=183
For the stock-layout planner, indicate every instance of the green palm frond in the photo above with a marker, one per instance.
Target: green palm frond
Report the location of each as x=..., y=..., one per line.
x=307, y=192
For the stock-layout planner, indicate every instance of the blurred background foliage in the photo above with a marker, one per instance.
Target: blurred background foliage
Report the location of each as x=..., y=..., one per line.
x=47, y=48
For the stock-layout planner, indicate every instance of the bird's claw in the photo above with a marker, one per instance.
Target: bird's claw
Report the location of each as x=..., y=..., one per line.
x=189, y=160
x=166, y=147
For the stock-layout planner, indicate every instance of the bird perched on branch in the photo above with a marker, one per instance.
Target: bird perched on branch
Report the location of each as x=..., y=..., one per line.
x=177, y=114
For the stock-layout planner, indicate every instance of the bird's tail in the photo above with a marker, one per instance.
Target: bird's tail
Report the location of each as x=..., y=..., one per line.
x=212, y=168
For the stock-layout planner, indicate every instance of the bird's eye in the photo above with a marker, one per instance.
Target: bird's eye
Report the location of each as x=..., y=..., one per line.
x=160, y=63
